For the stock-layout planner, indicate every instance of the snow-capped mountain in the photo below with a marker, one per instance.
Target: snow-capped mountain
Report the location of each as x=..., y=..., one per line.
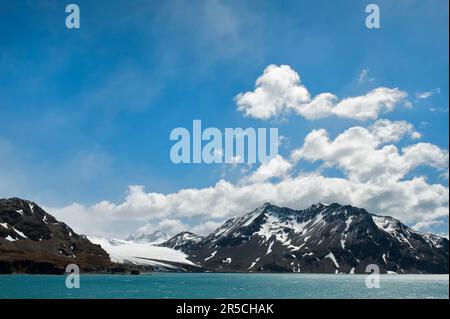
x=155, y=238
x=184, y=241
x=320, y=239
x=33, y=241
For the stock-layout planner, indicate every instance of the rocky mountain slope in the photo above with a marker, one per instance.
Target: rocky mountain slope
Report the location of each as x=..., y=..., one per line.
x=184, y=241
x=320, y=239
x=33, y=241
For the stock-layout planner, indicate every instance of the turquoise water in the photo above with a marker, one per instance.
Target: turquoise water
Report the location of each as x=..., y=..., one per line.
x=211, y=285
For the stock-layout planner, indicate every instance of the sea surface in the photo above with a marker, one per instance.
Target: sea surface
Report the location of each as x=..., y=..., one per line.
x=213, y=285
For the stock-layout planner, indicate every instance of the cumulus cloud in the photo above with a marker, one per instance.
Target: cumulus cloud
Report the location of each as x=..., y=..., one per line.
x=279, y=89
x=362, y=155
x=369, y=106
x=275, y=167
x=386, y=131
x=206, y=228
x=321, y=106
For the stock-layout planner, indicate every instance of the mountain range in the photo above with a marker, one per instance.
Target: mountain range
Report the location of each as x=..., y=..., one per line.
x=320, y=239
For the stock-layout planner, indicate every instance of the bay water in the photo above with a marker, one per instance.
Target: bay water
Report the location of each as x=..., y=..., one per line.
x=225, y=285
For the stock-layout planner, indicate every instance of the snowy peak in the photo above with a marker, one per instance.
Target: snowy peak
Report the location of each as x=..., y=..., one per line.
x=183, y=241
x=321, y=238
x=18, y=214
x=155, y=238
x=404, y=234
x=270, y=217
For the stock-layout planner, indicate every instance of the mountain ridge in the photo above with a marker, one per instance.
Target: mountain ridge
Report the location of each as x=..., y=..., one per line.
x=33, y=241
x=321, y=238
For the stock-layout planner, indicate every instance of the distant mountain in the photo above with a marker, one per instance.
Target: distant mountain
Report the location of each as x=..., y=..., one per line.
x=320, y=239
x=154, y=238
x=33, y=241
x=184, y=241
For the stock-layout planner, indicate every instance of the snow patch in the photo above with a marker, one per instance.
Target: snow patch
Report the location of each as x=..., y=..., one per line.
x=212, y=255
x=19, y=233
x=331, y=256
x=9, y=238
x=432, y=240
x=122, y=251
x=269, y=250
x=254, y=263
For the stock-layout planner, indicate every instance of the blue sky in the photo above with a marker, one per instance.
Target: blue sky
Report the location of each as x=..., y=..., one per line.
x=86, y=113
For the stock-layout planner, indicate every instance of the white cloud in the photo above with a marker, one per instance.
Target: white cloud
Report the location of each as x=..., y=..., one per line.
x=280, y=89
x=362, y=155
x=427, y=94
x=427, y=225
x=321, y=106
x=206, y=228
x=386, y=131
x=275, y=167
x=369, y=106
